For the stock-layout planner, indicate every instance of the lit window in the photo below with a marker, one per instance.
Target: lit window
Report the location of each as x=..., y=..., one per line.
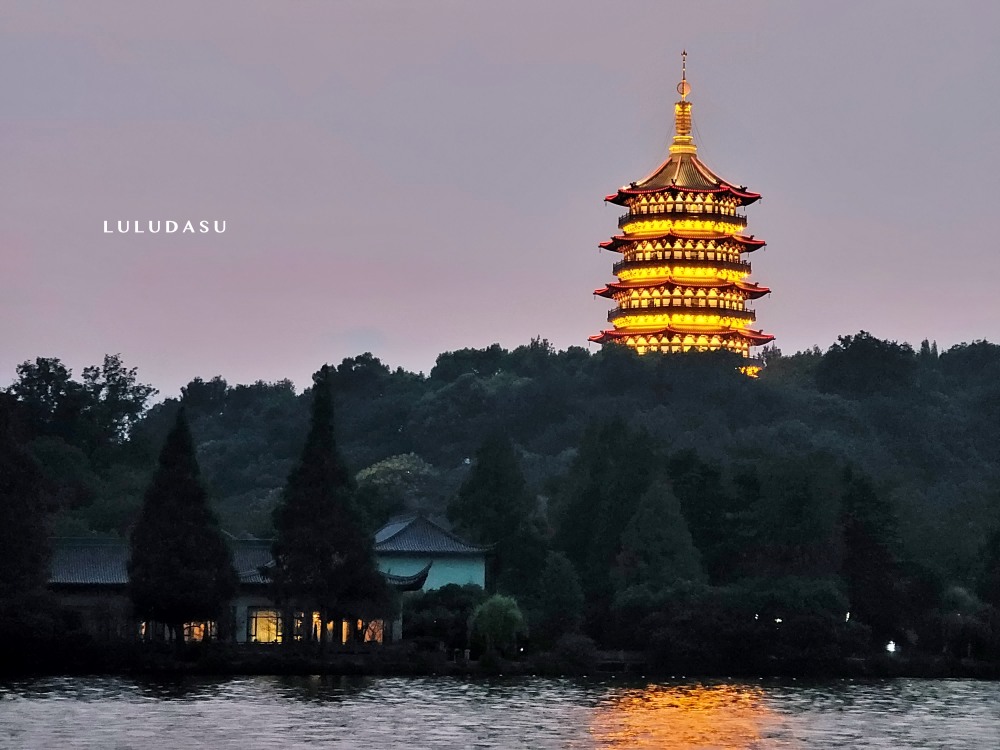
x=199, y=631
x=263, y=625
x=375, y=631
x=317, y=627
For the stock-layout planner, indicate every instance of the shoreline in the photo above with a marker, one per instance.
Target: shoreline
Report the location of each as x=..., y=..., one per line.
x=138, y=660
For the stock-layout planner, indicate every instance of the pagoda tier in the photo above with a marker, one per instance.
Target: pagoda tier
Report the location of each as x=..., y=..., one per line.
x=682, y=281
x=737, y=243
x=710, y=291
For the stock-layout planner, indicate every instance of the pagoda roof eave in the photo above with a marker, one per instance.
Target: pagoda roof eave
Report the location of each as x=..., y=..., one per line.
x=614, y=286
x=755, y=291
x=619, y=198
x=683, y=172
x=756, y=338
x=750, y=242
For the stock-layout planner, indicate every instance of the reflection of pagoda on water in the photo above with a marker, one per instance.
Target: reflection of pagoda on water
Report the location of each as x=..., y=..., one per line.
x=682, y=283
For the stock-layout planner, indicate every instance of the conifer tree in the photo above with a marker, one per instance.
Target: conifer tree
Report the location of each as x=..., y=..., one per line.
x=494, y=507
x=657, y=549
x=597, y=498
x=324, y=559
x=559, y=604
x=180, y=568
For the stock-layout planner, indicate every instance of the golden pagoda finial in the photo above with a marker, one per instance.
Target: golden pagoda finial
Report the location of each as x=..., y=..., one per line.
x=684, y=88
x=683, y=143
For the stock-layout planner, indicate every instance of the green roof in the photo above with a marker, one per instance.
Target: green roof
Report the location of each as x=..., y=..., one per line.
x=418, y=535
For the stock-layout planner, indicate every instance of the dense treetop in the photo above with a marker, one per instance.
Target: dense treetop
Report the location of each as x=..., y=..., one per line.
x=180, y=569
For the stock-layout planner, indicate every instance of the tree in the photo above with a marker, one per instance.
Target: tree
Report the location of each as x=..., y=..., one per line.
x=95, y=414
x=324, y=561
x=861, y=365
x=710, y=509
x=494, y=507
x=442, y=614
x=115, y=398
x=559, y=603
x=988, y=584
x=794, y=524
x=52, y=400
x=497, y=623
x=24, y=565
x=362, y=375
x=180, y=568
x=657, y=550
x=403, y=482
x=871, y=568
x=480, y=362
x=205, y=398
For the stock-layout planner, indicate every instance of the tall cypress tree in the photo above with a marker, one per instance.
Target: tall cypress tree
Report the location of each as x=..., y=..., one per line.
x=324, y=558
x=180, y=568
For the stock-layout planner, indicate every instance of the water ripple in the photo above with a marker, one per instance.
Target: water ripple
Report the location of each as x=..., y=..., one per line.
x=437, y=712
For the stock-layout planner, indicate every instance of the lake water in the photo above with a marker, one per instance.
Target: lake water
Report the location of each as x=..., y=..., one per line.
x=389, y=712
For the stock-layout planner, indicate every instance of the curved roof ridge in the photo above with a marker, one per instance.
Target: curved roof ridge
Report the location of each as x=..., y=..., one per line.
x=421, y=534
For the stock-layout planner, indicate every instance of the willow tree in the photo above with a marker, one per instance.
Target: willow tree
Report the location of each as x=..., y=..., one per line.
x=180, y=568
x=324, y=561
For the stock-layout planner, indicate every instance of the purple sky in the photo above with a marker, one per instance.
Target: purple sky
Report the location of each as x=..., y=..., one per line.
x=409, y=178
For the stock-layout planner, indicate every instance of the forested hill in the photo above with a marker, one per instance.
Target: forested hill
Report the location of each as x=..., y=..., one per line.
x=924, y=427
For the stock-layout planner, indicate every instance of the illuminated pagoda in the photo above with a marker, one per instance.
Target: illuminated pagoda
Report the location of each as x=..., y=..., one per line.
x=682, y=282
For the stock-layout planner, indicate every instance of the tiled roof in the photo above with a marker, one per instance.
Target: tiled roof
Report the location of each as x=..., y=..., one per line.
x=89, y=561
x=683, y=170
x=105, y=561
x=249, y=556
x=420, y=535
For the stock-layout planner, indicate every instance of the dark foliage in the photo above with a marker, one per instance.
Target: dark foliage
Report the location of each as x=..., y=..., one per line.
x=757, y=468
x=871, y=569
x=558, y=606
x=324, y=559
x=862, y=365
x=24, y=565
x=180, y=569
x=442, y=615
x=596, y=498
x=494, y=507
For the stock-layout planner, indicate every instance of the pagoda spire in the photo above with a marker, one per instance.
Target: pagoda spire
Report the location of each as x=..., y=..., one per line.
x=683, y=142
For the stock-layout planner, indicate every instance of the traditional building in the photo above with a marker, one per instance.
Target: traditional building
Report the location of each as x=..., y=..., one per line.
x=89, y=578
x=406, y=546
x=682, y=280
